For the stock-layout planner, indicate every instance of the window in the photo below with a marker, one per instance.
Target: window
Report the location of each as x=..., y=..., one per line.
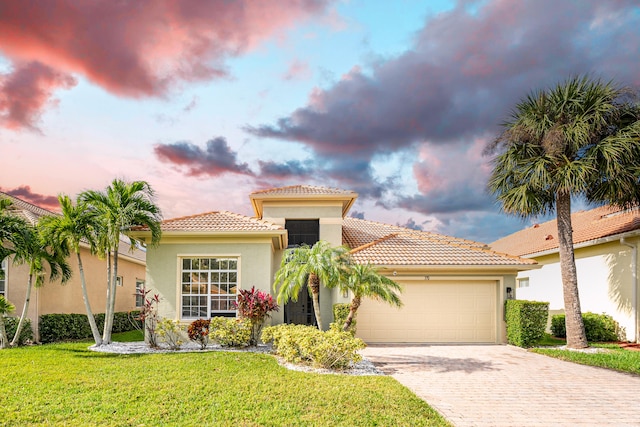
x=119, y=281
x=523, y=283
x=3, y=278
x=303, y=231
x=139, y=293
x=209, y=287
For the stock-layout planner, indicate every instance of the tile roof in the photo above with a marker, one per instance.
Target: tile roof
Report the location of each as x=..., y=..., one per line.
x=217, y=222
x=297, y=190
x=588, y=225
x=384, y=244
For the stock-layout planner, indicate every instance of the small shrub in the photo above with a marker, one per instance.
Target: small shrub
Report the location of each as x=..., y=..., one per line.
x=170, y=333
x=598, y=327
x=11, y=324
x=526, y=321
x=340, y=313
x=333, y=349
x=147, y=318
x=198, y=331
x=230, y=332
x=255, y=306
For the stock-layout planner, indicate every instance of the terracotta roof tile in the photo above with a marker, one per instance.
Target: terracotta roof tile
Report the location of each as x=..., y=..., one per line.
x=588, y=225
x=384, y=244
x=295, y=190
x=26, y=210
x=217, y=221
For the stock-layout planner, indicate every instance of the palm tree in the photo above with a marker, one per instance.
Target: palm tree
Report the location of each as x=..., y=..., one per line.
x=364, y=281
x=32, y=249
x=10, y=225
x=580, y=138
x=77, y=225
x=120, y=207
x=309, y=266
x=5, y=308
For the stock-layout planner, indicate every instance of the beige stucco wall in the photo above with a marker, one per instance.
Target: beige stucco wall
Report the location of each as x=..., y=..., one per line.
x=255, y=261
x=54, y=297
x=604, y=282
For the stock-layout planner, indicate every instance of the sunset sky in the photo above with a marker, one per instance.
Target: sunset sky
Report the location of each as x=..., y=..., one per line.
x=211, y=100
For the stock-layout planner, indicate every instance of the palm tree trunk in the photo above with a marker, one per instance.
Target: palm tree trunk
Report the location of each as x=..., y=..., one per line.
x=576, y=337
x=92, y=320
x=4, y=340
x=355, y=304
x=106, y=306
x=16, y=337
x=314, y=286
x=108, y=316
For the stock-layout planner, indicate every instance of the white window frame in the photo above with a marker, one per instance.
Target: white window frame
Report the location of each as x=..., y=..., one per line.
x=201, y=286
x=140, y=292
x=3, y=278
x=523, y=282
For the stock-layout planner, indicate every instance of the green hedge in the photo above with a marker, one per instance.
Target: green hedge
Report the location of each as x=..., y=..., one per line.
x=70, y=327
x=598, y=327
x=11, y=324
x=526, y=321
x=340, y=314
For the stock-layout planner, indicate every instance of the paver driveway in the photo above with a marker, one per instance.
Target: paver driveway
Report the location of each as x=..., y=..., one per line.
x=497, y=385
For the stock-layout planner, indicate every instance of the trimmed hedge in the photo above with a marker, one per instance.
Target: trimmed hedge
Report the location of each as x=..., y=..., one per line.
x=74, y=326
x=526, y=321
x=340, y=314
x=11, y=324
x=598, y=327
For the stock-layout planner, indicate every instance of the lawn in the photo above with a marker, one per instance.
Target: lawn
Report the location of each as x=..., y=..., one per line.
x=615, y=358
x=65, y=384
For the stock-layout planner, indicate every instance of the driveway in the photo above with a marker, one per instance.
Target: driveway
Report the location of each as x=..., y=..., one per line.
x=497, y=385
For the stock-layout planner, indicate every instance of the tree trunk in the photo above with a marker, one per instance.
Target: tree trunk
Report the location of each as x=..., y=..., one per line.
x=355, y=304
x=576, y=337
x=108, y=316
x=314, y=286
x=92, y=320
x=16, y=337
x=4, y=340
x=106, y=305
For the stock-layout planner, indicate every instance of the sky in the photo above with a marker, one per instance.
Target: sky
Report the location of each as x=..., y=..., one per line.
x=208, y=101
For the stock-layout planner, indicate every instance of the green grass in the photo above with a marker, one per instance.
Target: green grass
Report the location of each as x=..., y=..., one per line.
x=550, y=341
x=616, y=358
x=128, y=336
x=65, y=384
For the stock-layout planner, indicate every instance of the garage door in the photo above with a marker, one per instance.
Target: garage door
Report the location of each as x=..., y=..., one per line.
x=433, y=312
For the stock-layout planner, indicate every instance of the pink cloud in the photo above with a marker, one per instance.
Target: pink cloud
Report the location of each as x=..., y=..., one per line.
x=26, y=90
x=24, y=192
x=146, y=47
x=297, y=70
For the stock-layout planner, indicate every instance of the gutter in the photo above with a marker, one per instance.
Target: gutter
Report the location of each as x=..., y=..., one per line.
x=634, y=286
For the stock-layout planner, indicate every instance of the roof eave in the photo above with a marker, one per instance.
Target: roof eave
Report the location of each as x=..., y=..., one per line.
x=586, y=243
x=458, y=267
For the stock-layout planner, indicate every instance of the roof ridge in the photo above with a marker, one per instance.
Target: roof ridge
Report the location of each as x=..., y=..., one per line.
x=251, y=218
x=307, y=186
x=372, y=243
x=180, y=218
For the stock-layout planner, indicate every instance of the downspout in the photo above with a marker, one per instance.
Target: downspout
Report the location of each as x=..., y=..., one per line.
x=634, y=286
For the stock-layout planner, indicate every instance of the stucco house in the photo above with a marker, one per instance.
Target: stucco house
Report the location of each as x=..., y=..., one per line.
x=57, y=298
x=454, y=289
x=605, y=241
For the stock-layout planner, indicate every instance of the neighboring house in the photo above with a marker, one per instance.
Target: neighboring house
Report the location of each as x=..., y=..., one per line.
x=57, y=298
x=606, y=251
x=454, y=289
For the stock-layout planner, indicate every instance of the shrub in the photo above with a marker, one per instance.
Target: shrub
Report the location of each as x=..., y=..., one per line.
x=11, y=324
x=74, y=326
x=333, y=349
x=340, y=313
x=230, y=332
x=147, y=318
x=198, y=331
x=170, y=333
x=526, y=321
x=255, y=306
x=598, y=327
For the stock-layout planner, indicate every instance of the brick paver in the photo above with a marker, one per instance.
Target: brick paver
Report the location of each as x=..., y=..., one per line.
x=497, y=385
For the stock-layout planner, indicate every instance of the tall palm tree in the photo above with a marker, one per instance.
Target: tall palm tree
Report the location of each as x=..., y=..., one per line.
x=580, y=138
x=32, y=249
x=77, y=225
x=5, y=308
x=365, y=281
x=120, y=207
x=309, y=266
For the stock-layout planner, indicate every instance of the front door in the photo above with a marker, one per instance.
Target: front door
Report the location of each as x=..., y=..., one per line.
x=300, y=312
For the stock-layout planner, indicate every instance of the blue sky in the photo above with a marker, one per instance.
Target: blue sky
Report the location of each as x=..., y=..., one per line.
x=209, y=101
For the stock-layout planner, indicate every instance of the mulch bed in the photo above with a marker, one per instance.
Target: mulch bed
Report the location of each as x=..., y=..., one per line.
x=629, y=345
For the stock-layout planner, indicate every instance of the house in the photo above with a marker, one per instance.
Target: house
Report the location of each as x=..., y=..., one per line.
x=67, y=298
x=605, y=242
x=453, y=288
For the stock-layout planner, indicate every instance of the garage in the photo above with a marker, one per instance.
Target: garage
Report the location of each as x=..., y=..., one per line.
x=434, y=312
